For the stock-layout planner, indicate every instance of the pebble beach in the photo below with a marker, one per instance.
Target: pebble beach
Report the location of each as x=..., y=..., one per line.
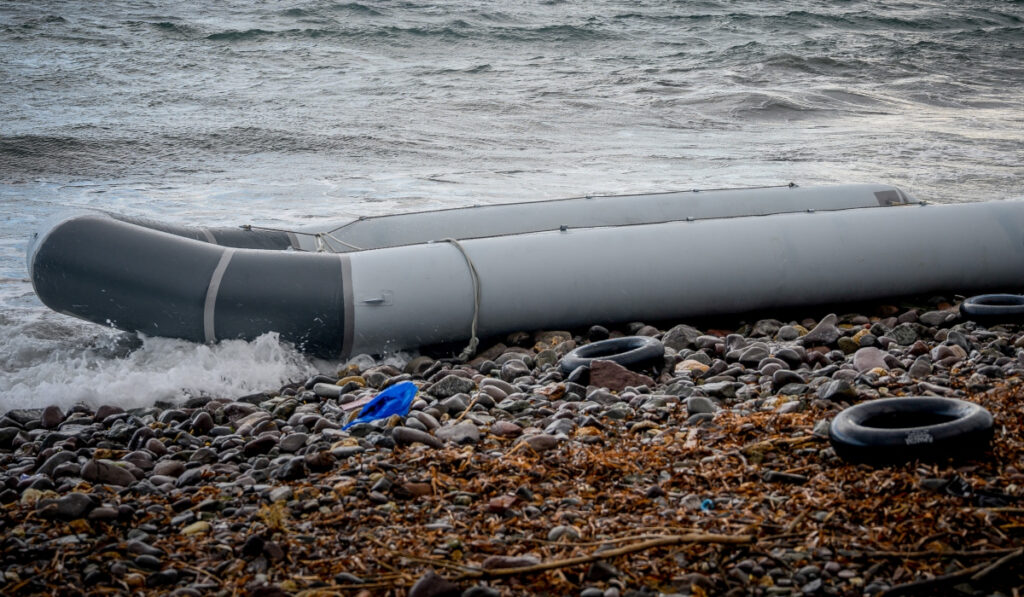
x=710, y=473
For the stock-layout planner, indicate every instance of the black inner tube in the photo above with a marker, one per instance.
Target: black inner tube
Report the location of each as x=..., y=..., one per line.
x=1000, y=300
x=907, y=420
x=631, y=351
x=893, y=430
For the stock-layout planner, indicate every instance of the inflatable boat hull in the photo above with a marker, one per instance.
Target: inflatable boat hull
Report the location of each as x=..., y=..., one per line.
x=113, y=272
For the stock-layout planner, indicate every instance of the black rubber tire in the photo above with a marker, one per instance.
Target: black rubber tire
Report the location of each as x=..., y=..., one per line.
x=894, y=430
x=634, y=352
x=994, y=308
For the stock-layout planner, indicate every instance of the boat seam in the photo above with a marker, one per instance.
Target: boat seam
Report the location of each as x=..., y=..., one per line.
x=210, y=304
x=347, y=305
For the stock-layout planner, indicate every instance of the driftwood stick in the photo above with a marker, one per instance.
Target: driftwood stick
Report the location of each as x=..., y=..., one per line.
x=995, y=566
x=939, y=554
x=930, y=586
x=611, y=553
x=978, y=573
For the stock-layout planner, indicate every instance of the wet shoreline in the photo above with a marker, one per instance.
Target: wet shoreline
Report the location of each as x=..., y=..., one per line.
x=707, y=473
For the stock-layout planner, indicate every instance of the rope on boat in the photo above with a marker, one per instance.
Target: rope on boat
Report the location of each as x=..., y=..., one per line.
x=318, y=237
x=474, y=342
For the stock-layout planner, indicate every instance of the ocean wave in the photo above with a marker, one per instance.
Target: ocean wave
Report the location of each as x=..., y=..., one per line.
x=135, y=373
x=238, y=35
x=356, y=8
x=179, y=29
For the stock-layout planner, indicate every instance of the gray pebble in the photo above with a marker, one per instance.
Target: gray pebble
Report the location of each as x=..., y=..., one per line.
x=405, y=436
x=700, y=405
x=461, y=433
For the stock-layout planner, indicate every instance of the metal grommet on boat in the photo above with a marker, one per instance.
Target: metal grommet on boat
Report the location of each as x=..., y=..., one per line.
x=631, y=351
x=894, y=430
x=994, y=308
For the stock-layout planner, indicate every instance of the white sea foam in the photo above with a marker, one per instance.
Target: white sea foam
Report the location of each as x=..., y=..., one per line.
x=159, y=369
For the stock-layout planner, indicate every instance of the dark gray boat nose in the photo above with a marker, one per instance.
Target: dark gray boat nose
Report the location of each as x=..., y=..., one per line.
x=138, y=279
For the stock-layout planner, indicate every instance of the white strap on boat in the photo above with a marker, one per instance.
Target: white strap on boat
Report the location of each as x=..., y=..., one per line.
x=318, y=238
x=208, y=236
x=210, y=305
x=474, y=342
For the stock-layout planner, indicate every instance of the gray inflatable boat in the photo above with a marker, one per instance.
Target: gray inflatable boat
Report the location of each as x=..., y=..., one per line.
x=374, y=285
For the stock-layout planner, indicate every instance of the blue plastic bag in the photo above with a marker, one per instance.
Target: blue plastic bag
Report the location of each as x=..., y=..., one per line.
x=395, y=400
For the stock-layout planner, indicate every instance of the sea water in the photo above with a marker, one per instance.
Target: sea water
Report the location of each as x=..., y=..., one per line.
x=284, y=113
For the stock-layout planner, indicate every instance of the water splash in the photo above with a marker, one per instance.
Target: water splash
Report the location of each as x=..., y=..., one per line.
x=118, y=370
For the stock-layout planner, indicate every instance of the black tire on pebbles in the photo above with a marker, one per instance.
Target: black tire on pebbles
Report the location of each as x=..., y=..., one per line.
x=894, y=430
x=632, y=351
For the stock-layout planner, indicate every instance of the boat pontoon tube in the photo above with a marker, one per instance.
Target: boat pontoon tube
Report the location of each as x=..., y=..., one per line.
x=519, y=218
x=137, y=279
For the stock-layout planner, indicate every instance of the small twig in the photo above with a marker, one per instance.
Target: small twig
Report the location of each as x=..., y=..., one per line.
x=995, y=566
x=944, y=554
x=472, y=403
x=436, y=562
x=931, y=584
x=599, y=542
x=611, y=553
x=1005, y=510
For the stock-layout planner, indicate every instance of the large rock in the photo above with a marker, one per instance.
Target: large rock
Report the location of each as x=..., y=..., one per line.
x=433, y=585
x=680, y=337
x=52, y=417
x=54, y=461
x=405, y=436
x=108, y=472
x=451, y=385
x=71, y=506
x=462, y=433
x=824, y=334
x=615, y=377
x=837, y=390
x=869, y=358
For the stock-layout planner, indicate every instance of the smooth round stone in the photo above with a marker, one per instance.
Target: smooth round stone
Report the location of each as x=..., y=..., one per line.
x=461, y=433
x=319, y=461
x=904, y=334
x=921, y=368
x=293, y=442
x=848, y=345
x=50, y=464
x=494, y=392
x=506, y=429
x=560, y=426
x=327, y=390
x=105, y=411
x=787, y=333
x=825, y=333
x=202, y=423
x=148, y=561
x=502, y=385
x=700, y=405
x=405, y=436
x=103, y=513
x=514, y=369
x=155, y=446
x=428, y=420
x=692, y=366
x=837, y=390
x=455, y=405
x=52, y=417
x=106, y=471
x=73, y=505
x=866, y=359
x=540, y=442
x=754, y=354
x=260, y=445
x=784, y=377
x=450, y=385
